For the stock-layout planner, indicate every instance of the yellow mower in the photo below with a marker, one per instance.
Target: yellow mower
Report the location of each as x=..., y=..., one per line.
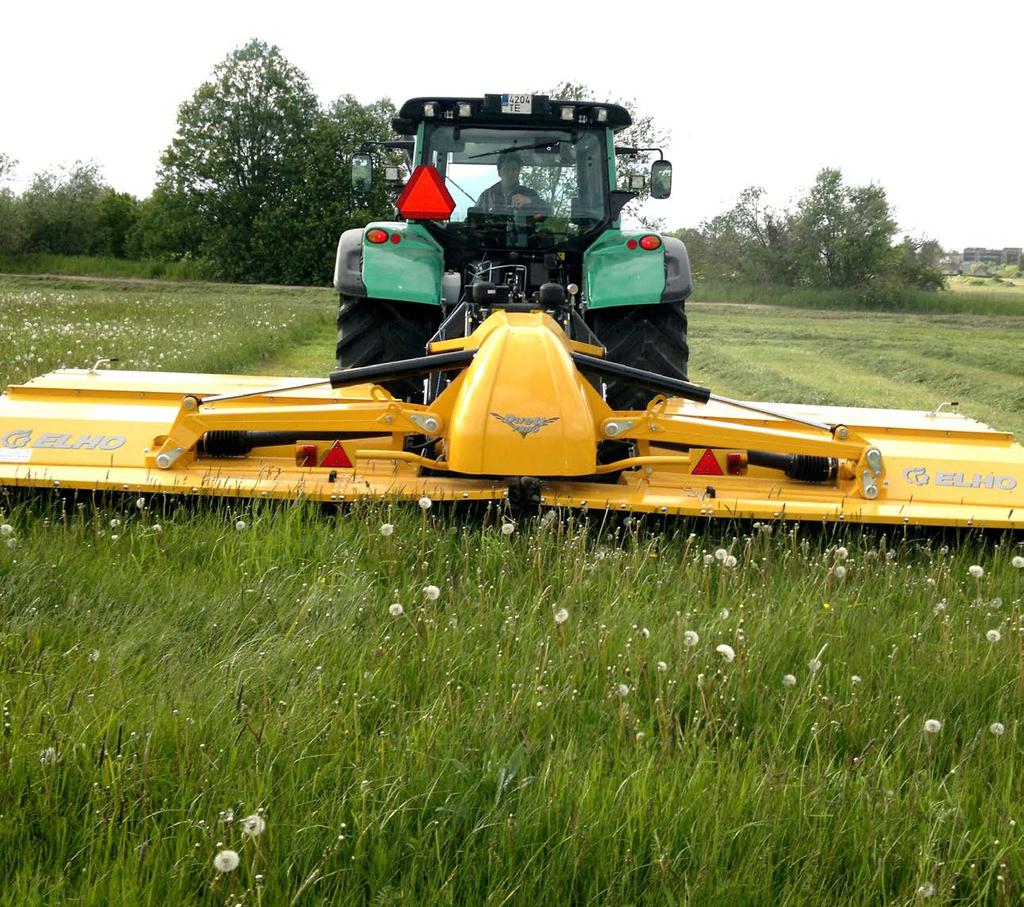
x=519, y=344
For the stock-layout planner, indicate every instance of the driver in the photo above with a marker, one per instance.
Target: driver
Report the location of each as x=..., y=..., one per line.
x=509, y=193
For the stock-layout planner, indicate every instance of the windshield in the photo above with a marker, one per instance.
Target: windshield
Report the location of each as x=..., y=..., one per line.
x=523, y=188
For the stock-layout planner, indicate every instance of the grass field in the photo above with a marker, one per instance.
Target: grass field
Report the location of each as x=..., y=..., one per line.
x=550, y=717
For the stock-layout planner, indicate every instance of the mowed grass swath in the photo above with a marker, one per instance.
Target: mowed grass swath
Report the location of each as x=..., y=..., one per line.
x=587, y=711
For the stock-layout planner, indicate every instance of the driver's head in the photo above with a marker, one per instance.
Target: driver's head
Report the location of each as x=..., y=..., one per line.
x=509, y=167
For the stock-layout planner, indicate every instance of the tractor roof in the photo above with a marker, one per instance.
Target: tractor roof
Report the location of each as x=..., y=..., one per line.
x=509, y=110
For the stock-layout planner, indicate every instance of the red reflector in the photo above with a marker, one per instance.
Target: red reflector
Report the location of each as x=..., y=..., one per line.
x=734, y=464
x=650, y=242
x=631, y=244
x=396, y=238
x=425, y=197
x=336, y=456
x=707, y=465
x=306, y=455
x=376, y=235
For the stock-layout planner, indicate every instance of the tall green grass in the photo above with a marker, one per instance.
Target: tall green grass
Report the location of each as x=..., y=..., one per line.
x=98, y=266
x=855, y=299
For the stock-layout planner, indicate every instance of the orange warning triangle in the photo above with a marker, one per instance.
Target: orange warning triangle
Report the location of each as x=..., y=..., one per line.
x=707, y=465
x=336, y=456
x=425, y=196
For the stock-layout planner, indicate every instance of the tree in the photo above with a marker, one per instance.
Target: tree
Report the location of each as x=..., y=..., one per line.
x=238, y=155
x=116, y=214
x=842, y=235
x=59, y=210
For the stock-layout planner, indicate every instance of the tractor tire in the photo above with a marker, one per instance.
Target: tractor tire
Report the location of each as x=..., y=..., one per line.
x=373, y=331
x=651, y=337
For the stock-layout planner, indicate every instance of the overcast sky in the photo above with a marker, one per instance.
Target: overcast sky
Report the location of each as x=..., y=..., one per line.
x=925, y=98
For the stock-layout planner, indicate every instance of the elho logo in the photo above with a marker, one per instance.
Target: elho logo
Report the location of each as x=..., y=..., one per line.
x=22, y=437
x=918, y=475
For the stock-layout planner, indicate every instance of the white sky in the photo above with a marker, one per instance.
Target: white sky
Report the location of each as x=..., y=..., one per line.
x=925, y=98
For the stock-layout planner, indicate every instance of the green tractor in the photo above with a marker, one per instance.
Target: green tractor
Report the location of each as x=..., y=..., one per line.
x=513, y=201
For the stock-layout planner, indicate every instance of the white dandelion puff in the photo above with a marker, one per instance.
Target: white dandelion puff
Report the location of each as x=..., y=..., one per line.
x=730, y=561
x=387, y=530
x=993, y=635
x=709, y=558
x=6, y=529
x=561, y=615
x=226, y=861
x=926, y=890
x=855, y=679
x=1018, y=562
x=976, y=570
x=12, y=542
x=840, y=571
x=508, y=528
x=723, y=614
x=396, y=610
x=842, y=554
x=140, y=503
x=645, y=633
x=997, y=728
x=239, y=527
x=157, y=528
x=622, y=690
x=431, y=593
x=114, y=523
x=721, y=554
x=788, y=680
x=932, y=726
x=814, y=665
x=253, y=825
x=726, y=651
x=425, y=503
x=690, y=638
x=48, y=756
x=662, y=666
x=94, y=655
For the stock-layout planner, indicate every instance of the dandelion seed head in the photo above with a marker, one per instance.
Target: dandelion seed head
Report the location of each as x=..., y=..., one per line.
x=622, y=690
x=690, y=638
x=855, y=679
x=926, y=890
x=157, y=528
x=240, y=527
x=788, y=680
x=976, y=570
x=387, y=529
x=508, y=528
x=94, y=655
x=12, y=542
x=723, y=614
x=839, y=571
x=993, y=635
x=721, y=554
x=431, y=593
x=814, y=665
x=841, y=553
x=645, y=633
x=48, y=756
x=114, y=523
x=1018, y=562
x=396, y=610
x=932, y=726
x=997, y=728
x=726, y=651
x=730, y=561
x=425, y=503
x=662, y=666
x=226, y=861
x=253, y=825
x=140, y=503
x=561, y=615
x=6, y=529
x=709, y=558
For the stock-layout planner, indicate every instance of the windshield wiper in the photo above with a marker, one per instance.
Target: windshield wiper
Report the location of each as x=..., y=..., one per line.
x=457, y=186
x=552, y=144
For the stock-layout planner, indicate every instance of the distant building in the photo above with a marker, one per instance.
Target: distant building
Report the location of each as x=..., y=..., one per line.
x=975, y=255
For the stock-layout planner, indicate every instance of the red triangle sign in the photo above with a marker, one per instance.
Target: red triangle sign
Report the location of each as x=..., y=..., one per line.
x=707, y=465
x=425, y=196
x=336, y=456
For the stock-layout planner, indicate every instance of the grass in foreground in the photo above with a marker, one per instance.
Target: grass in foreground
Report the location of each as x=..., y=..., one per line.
x=744, y=725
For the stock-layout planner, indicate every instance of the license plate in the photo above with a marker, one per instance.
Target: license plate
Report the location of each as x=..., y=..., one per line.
x=517, y=103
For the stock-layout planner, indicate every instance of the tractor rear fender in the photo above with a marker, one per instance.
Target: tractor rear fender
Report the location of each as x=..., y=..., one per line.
x=618, y=270
x=407, y=266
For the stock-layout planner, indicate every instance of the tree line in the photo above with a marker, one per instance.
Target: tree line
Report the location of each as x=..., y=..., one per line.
x=837, y=235
x=255, y=186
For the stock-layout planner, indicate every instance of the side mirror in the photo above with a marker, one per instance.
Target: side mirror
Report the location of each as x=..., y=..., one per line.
x=362, y=173
x=661, y=179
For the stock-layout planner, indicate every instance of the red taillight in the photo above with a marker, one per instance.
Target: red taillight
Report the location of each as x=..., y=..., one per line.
x=377, y=236
x=650, y=242
x=425, y=196
x=396, y=238
x=735, y=463
x=630, y=243
x=305, y=455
